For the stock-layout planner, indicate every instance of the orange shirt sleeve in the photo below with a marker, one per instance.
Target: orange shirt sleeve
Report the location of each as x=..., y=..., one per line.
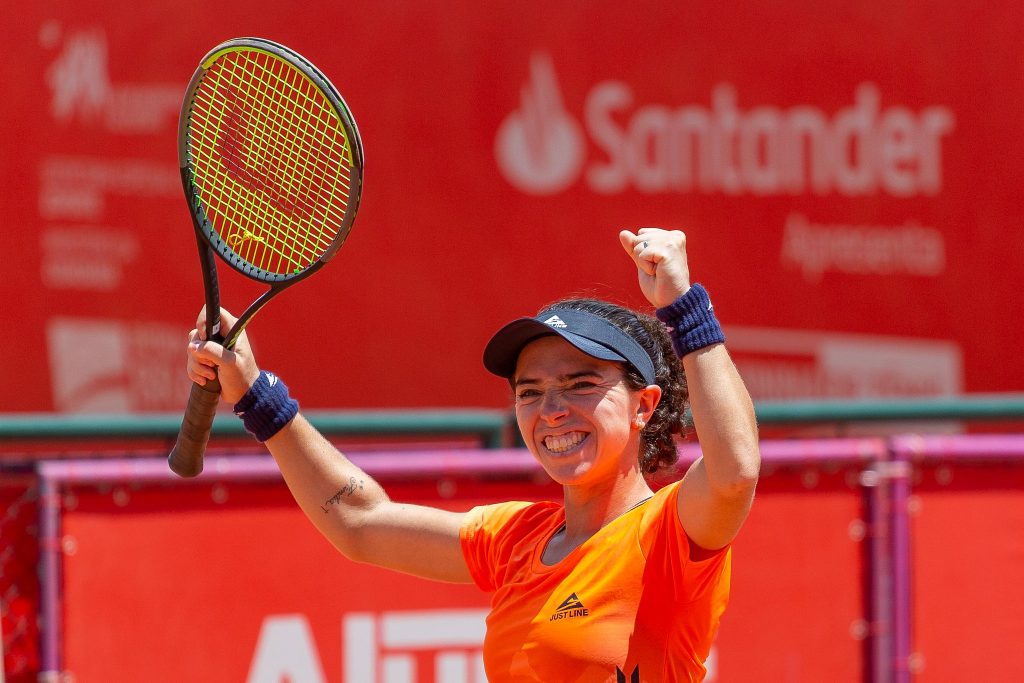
x=700, y=590
x=484, y=546
x=667, y=549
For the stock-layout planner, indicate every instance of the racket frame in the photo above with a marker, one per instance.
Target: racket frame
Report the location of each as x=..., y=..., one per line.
x=206, y=234
x=186, y=458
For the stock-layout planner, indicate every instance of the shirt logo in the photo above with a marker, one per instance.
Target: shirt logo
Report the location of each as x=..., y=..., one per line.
x=555, y=321
x=570, y=607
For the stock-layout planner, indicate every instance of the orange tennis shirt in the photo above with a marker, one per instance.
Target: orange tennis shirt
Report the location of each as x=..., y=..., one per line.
x=627, y=605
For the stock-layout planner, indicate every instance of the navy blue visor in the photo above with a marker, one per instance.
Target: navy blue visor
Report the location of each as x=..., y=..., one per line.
x=591, y=334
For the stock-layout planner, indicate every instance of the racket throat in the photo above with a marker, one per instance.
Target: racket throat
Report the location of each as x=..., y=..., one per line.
x=236, y=331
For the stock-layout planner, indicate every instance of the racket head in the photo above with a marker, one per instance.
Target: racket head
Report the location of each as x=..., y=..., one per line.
x=271, y=160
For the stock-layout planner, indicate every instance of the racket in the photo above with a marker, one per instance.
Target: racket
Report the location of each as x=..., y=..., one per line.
x=272, y=168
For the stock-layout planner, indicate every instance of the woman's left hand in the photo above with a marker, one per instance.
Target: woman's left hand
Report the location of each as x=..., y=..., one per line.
x=660, y=258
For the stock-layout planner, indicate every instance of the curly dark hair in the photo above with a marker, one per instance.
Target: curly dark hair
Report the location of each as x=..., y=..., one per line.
x=658, y=450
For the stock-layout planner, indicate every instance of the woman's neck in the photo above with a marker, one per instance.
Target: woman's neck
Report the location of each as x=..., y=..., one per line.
x=589, y=509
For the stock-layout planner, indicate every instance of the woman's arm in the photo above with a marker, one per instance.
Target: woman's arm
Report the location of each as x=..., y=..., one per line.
x=342, y=501
x=718, y=489
x=356, y=515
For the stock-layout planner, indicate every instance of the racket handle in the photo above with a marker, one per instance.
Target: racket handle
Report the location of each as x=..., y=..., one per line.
x=186, y=458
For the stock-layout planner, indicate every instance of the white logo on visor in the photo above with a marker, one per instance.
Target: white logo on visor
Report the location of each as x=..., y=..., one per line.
x=555, y=321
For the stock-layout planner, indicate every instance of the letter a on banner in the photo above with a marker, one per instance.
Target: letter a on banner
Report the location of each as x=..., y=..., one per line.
x=285, y=652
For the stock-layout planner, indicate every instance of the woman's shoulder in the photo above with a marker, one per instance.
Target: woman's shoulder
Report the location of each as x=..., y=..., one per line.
x=659, y=513
x=493, y=534
x=666, y=495
x=515, y=514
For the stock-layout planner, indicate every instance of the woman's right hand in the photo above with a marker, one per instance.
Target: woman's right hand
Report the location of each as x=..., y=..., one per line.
x=236, y=369
x=660, y=258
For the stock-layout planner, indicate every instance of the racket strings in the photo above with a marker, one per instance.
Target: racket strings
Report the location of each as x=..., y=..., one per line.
x=271, y=181
x=288, y=144
x=271, y=161
x=289, y=148
x=294, y=146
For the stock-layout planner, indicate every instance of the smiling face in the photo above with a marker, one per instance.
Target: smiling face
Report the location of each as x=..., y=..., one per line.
x=576, y=414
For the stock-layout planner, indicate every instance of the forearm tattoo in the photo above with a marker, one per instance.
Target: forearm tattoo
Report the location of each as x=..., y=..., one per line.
x=348, y=489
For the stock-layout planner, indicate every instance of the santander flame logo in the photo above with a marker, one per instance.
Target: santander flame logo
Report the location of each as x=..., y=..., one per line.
x=540, y=147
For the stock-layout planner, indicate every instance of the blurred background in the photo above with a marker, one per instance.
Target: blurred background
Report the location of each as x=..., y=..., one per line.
x=846, y=175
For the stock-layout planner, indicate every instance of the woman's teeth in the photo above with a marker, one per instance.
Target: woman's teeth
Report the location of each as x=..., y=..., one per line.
x=563, y=442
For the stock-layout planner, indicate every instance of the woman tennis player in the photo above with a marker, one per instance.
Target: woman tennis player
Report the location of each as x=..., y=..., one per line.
x=616, y=582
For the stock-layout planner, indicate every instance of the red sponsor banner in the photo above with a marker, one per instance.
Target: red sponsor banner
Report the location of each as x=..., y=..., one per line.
x=967, y=524
x=847, y=176
x=172, y=586
x=232, y=583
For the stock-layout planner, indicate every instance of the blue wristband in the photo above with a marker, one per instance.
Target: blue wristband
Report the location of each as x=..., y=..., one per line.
x=691, y=321
x=266, y=407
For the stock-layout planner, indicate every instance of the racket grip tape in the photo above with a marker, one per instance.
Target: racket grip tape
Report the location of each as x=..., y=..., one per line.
x=186, y=458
